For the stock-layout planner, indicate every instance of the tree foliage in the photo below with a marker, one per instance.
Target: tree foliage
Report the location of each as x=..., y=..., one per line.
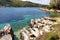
x=55, y=4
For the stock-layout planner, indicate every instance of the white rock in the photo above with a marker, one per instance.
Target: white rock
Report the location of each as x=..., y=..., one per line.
x=25, y=36
x=41, y=32
x=46, y=28
x=6, y=37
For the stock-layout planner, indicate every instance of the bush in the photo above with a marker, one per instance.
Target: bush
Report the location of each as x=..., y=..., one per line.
x=53, y=14
x=56, y=25
x=52, y=36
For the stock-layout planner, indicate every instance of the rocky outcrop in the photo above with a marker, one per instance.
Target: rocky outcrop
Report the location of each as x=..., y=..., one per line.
x=6, y=37
x=38, y=28
x=6, y=33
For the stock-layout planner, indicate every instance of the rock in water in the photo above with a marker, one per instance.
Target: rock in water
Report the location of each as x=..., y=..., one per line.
x=7, y=33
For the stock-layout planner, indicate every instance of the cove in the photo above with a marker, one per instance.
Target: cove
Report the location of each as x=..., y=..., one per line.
x=19, y=18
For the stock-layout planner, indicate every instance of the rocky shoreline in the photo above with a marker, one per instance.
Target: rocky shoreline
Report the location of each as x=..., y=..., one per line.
x=38, y=28
x=7, y=33
x=37, y=31
x=51, y=10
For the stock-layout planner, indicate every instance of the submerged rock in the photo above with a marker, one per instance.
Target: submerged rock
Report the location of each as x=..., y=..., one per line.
x=7, y=33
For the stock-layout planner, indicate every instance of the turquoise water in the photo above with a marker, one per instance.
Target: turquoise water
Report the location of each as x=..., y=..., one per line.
x=19, y=17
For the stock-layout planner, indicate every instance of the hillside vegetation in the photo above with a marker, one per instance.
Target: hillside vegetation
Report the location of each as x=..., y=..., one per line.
x=55, y=4
x=17, y=3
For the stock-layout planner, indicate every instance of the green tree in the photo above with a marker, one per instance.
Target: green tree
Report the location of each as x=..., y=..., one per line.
x=15, y=2
x=55, y=4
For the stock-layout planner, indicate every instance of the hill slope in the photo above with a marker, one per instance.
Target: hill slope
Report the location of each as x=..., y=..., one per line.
x=15, y=3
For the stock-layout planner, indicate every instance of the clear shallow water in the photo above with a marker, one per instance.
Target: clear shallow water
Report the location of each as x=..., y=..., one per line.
x=19, y=17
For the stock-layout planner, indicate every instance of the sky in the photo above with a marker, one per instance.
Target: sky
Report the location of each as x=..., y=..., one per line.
x=46, y=2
